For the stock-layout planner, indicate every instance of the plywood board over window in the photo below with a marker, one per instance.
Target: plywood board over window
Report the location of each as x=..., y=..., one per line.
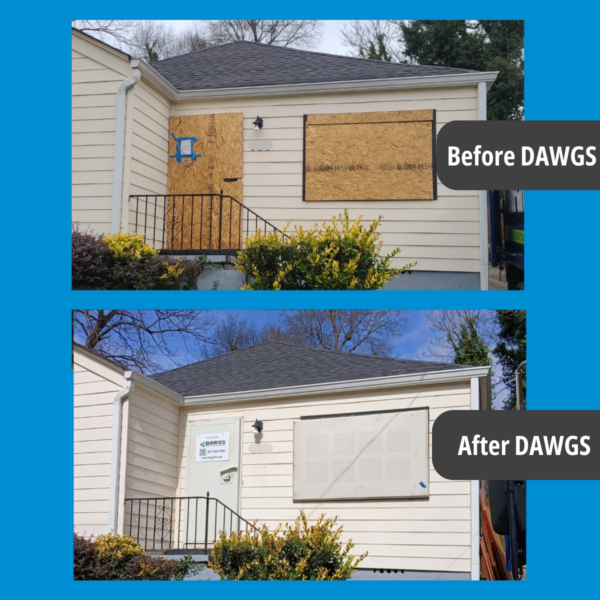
x=370, y=156
x=362, y=456
x=193, y=223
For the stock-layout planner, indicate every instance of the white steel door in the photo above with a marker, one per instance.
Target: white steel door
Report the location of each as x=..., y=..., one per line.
x=213, y=458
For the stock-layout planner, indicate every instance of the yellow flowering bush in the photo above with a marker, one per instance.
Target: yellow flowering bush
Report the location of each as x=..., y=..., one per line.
x=120, y=547
x=125, y=247
x=123, y=261
x=298, y=552
x=117, y=557
x=341, y=255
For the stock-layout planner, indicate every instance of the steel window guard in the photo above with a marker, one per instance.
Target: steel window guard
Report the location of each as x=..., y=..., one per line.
x=181, y=224
x=181, y=523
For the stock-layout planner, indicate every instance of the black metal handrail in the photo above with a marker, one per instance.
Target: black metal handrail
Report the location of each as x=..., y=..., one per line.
x=181, y=522
x=195, y=223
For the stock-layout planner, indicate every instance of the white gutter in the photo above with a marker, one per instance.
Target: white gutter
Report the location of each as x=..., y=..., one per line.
x=117, y=195
x=483, y=209
x=357, y=385
x=475, y=511
x=153, y=386
x=456, y=79
x=115, y=454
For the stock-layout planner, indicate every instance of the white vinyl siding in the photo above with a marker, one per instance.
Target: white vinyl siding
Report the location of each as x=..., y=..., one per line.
x=428, y=534
x=148, y=144
x=442, y=235
x=95, y=386
x=97, y=73
x=152, y=447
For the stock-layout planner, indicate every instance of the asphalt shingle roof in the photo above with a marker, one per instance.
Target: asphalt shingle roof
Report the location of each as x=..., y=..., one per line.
x=248, y=64
x=276, y=364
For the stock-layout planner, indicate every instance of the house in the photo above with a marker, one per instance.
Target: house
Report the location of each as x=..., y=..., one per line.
x=199, y=151
x=259, y=434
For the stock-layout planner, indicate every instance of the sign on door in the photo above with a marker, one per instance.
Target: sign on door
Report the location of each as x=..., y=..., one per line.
x=212, y=447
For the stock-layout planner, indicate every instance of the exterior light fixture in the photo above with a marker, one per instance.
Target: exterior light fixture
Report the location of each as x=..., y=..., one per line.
x=258, y=425
x=258, y=124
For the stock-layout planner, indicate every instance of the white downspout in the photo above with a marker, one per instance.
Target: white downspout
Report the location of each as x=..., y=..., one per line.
x=117, y=195
x=475, y=511
x=483, y=211
x=115, y=454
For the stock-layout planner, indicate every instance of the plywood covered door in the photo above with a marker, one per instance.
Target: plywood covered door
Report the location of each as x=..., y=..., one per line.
x=209, y=222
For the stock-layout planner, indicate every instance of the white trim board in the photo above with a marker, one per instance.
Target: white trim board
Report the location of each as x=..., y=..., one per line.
x=475, y=515
x=341, y=386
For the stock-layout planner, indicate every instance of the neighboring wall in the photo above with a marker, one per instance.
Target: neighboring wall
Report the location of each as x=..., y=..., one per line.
x=432, y=534
x=152, y=464
x=96, y=383
x=97, y=73
x=145, y=169
x=152, y=446
x=442, y=235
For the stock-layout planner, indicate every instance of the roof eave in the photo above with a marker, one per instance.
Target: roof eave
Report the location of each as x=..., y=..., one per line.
x=154, y=78
x=455, y=79
x=101, y=43
x=97, y=357
x=356, y=385
x=155, y=388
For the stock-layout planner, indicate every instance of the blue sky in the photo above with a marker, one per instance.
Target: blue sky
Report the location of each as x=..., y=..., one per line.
x=412, y=344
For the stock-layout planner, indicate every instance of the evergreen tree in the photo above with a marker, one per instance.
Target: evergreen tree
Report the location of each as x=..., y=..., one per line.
x=477, y=45
x=377, y=49
x=469, y=348
x=511, y=350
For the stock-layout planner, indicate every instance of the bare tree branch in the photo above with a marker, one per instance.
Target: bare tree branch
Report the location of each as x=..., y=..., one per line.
x=448, y=324
x=231, y=334
x=146, y=340
x=360, y=35
x=300, y=34
x=153, y=40
x=365, y=331
x=115, y=32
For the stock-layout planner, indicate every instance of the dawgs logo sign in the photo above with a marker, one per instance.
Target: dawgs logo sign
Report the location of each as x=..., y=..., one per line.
x=212, y=447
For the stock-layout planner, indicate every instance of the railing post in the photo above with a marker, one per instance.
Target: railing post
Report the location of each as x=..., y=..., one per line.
x=220, y=219
x=206, y=525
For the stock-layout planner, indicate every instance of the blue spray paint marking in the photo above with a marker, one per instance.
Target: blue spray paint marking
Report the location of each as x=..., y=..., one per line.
x=422, y=484
x=188, y=147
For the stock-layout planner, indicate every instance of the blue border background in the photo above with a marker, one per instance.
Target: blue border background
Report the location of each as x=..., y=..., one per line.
x=561, y=299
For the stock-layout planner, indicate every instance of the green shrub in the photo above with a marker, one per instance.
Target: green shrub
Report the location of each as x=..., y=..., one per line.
x=117, y=547
x=343, y=255
x=296, y=552
x=90, y=258
x=117, y=557
x=124, y=262
x=127, y=247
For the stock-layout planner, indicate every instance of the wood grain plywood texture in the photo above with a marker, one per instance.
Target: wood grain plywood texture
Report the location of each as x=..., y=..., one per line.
x=370, y=156
x=194, y=222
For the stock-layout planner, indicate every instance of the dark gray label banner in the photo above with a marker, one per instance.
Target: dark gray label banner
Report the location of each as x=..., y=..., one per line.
x=519, y=155
x=534, y=444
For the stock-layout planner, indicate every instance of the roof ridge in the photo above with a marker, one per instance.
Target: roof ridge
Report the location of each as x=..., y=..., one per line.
x=162, y=60
x=359, y=58
x=300, y=346
x=205, y=360
x=314, y=52
x=360, y=354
